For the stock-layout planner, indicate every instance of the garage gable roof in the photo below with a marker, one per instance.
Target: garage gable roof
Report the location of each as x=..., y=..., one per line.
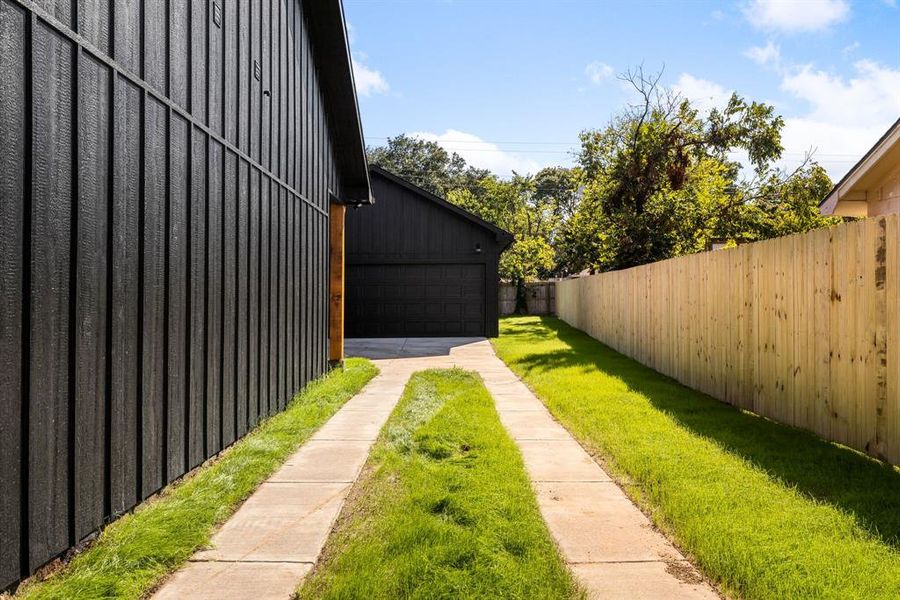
x=504, y=237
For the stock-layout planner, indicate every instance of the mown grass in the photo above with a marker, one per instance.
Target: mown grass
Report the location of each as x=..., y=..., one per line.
x=133, y=554
x=769, y=511
x=444, y=510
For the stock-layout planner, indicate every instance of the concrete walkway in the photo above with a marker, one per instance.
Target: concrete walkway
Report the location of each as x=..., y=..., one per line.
x=274, y=539
x=276, y=536
x=607, y=541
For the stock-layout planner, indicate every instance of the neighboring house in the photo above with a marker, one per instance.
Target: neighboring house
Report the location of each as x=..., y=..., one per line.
x=166, y=187
x=418, y=265
x=872, y=187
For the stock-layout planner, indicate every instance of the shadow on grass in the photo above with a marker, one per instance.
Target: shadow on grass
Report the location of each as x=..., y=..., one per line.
x=825, y=471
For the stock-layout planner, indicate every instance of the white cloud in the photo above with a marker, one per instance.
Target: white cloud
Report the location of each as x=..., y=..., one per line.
x=850, y=48
x=702, y=93
x=839, y=118
x=845, y=116
x=870, y=97
x=792, y=16
x=479, y=153
x=764, y=55
x=369, y=81
x=598, y=71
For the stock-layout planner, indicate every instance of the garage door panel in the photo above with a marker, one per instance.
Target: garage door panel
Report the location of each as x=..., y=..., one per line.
x=415, y=300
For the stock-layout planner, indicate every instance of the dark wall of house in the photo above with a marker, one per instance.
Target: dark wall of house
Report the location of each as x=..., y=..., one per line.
x=404, y=228
x=164, y=185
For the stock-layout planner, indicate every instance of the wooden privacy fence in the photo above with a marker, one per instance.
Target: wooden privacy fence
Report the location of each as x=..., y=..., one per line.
x=540, y=298
x=803, y=329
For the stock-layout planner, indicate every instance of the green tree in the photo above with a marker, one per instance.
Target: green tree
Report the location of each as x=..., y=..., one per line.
x=426, y=164
x=660, y=181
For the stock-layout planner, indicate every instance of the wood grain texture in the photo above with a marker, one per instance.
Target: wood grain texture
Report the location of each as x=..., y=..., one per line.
x=229, y=301
x=197, y=419
x=153, y=290
x=91, y=294
x=154, y=240
x=13, y=242
x=801, y=329
x=124, y=354
x=177, y=364
x=51, y=237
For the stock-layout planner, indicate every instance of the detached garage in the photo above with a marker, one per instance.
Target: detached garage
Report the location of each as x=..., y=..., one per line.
x=418, y=265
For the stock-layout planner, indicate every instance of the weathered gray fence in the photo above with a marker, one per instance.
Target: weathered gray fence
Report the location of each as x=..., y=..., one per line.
x=540, y=298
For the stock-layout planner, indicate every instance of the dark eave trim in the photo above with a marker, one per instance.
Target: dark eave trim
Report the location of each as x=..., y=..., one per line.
x=504, y=237
x=331, y=50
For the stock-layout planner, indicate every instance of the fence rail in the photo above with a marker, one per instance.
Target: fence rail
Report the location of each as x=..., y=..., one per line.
x=803, y=329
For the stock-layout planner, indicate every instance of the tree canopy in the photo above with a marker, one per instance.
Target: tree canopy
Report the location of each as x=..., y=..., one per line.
x=662, y=179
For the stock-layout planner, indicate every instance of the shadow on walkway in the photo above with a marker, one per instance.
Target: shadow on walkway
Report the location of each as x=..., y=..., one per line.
x=386, y=348
x=820, y=469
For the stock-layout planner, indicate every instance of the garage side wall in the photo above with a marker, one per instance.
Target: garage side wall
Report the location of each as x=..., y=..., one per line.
x=163, y=248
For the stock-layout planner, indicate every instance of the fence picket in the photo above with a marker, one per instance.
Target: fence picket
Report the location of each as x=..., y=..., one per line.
x=802, y=329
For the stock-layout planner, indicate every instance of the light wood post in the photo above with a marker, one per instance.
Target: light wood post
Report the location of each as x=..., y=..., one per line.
x=336, y=284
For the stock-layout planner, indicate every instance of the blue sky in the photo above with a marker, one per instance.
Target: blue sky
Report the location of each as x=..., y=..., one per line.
x=510, y=84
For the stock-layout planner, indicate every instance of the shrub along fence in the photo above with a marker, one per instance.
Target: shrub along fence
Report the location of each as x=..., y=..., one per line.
x=803, y=329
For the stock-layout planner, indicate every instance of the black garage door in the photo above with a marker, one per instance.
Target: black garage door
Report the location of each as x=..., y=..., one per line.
x=415, y=300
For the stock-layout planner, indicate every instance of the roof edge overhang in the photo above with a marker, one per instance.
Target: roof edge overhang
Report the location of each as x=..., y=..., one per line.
x=890, y=138
x=329, y=40
x=503, y=237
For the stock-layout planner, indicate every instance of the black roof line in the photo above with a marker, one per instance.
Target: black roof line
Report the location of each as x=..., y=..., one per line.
x=330, y=43
x=502, y=235
x=859, y=163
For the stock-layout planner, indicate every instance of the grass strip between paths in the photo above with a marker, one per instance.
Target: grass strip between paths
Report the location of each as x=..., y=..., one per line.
x=769, y=511
x=444, y=508
x=134, y=553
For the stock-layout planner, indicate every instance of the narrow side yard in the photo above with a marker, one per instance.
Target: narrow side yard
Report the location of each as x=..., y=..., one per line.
x=767, y=510
x=443, y=509
x=135, y=553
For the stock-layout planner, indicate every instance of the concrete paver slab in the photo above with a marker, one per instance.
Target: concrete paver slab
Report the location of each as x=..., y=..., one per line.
x=643, y=581
x=291, y=500
x=267, y=539
x=234, y=581
x=533, y=425
x=326, y=461
x=353, y=425
x=560, y=460
x=596, y=522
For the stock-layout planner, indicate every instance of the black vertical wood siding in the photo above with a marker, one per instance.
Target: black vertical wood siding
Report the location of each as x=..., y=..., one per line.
x=399, y=255
x=163, y=248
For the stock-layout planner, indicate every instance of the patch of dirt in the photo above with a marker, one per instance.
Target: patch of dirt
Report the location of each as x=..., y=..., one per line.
x=684, y=572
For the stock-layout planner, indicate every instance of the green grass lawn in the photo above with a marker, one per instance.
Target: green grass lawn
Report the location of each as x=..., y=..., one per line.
x=133, y=554
x=768, y=511
x=444, y=509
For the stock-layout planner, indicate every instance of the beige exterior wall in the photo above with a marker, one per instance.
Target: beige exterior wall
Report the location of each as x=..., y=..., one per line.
x=884, y=198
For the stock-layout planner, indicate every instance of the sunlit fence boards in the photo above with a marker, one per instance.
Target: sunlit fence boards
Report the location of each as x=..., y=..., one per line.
x=802, y=329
